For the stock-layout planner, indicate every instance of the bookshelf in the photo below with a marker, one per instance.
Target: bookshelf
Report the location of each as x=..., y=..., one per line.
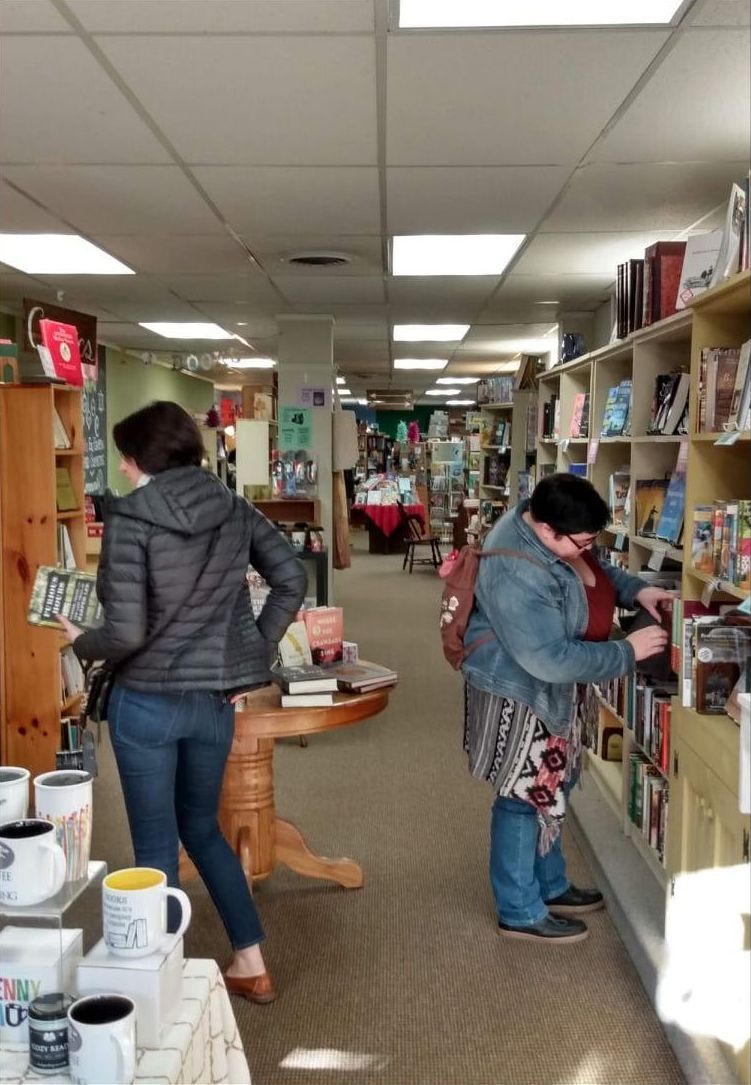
x=32, y=703
x=705, y=831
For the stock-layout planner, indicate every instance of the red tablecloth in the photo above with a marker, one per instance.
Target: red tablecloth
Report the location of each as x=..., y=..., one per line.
x=386, y=517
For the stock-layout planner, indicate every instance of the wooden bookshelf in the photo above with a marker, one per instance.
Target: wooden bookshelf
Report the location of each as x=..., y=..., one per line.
x=30, y=724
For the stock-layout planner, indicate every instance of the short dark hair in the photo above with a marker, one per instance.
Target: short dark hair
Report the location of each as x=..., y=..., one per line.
x=569, y=504
x=159, y=436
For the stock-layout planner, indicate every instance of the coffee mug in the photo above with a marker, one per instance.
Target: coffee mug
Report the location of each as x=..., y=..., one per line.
x=134, y=911
x=14, y=793
x=102, y=1040
x=64, y=797
x=32, y=863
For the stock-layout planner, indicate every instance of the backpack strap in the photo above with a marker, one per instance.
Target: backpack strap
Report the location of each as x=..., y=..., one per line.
x=497, y=552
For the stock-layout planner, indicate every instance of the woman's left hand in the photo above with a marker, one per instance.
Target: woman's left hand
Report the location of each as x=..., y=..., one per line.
x=650, y=598
x=71, y=631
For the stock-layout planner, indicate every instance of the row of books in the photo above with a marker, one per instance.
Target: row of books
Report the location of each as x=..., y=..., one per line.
x=62, y=440
x=724, y=389
x=721, y=541
x=551, y=417
x=648, y=794
x=495, y=389
x=645, y=708
x=71, y=675
x=495, y=432
x=580, y=416
x=669, y=413
x=312, y=686
x=496, y=469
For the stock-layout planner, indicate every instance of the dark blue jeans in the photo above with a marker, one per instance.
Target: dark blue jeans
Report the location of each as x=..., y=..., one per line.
x=171, y=749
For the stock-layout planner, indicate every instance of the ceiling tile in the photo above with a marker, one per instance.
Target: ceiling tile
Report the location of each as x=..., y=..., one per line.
x=251, y=289
x=680, y=116
x=582, y=291
x=59, y=106
x=119, y=199
x=442, y=299
x=169, y=255
x=162, y=306
x=507, y=99
x=257, y=101
x=722, y=13
x=330, y=288
x=470, y=199
x=585, y=254
x=643, y=196
x=261, y=200
x=224, y=16
x=20, y=215
x=31, y=17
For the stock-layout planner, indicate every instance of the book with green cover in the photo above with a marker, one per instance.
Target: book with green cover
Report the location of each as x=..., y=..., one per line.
x=64, y=492
x=70, y=592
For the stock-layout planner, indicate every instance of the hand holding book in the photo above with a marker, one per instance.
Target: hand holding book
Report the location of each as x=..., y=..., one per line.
x=71, y=631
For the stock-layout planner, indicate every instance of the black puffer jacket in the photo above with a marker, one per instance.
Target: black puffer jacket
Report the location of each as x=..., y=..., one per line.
x=172, y=583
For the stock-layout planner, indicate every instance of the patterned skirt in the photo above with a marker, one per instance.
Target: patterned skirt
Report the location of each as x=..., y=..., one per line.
x=511, y=748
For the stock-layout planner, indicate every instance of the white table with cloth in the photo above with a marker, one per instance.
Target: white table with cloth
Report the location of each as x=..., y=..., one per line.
x=202, y=1045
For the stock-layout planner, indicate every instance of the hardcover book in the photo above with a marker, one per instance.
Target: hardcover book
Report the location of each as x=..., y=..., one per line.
x=650, y=498
x=307, y=678
x=722, y=653
x=325, y=629
x=65, y=495
x=663, y=263
x=702, y=531
x=59, y=352
x=698, y=267
x=70, y=592
x=670, y=524
x=360, y=677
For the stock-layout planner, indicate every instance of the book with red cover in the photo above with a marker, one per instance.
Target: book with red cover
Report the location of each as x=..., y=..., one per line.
x=61, y=343
x=325, y=629
x=663, y=264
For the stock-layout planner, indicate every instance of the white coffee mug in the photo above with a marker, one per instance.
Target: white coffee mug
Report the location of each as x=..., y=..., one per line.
x=14, y=793
x=134, y=911
x=32, y=863
x=64, y=797
x=102, y=1040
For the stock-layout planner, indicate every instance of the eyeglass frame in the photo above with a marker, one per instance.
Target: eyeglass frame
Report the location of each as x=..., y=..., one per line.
x=581, y=547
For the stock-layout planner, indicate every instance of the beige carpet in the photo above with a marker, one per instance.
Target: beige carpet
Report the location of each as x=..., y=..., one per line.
x=406, y=980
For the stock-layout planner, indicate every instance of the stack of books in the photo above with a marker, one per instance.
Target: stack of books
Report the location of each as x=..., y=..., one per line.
x=305, y=686
x=361, y=677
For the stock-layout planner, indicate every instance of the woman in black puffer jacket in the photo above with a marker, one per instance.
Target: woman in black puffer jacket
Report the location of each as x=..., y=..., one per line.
x=180, y=633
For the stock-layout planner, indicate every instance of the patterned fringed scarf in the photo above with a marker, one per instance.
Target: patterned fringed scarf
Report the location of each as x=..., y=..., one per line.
x=511, y=748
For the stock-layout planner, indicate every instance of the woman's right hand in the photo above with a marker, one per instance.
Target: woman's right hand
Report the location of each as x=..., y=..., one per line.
x=648, y=641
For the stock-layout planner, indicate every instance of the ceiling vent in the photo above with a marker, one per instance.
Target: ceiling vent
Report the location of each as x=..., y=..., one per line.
x=318, y=259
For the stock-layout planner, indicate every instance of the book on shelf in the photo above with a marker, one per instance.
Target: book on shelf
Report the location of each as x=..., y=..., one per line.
x=70, y=592
x=721, y=541
x=722, y=653
x=728, y=258
x=699, y=262
x=718, y=368
x=580, y=416
x=670, y=523
x=669, y=403
x=361, y=677
x=648, y=793
x=71, y=674
x=306, y=678
x=702, y=534
x=619, y=485
x=738, y=417
x=629, y=297
x=65, y=495
x=617, y=410
x=577, y=469
x=650, y=497
x=294, y=647
x=307, y=700
x=663, y=263
x=65, y=555
x=62, y=440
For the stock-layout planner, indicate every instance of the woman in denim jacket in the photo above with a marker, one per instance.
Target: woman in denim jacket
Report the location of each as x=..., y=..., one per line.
x=537, y=639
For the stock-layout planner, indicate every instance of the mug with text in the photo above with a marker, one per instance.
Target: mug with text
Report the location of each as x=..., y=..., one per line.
x=32, y=863
x=14, y=793
x=134, y=911
x=102, y=1040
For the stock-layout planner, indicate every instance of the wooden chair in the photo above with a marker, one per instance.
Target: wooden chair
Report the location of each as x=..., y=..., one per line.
x=414, y=537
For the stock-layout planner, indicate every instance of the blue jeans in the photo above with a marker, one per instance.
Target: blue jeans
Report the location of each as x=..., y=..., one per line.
x=521, y=878
x=171, y=749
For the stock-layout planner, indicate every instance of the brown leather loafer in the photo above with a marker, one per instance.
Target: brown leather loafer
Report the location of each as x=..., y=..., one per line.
x=255, y=988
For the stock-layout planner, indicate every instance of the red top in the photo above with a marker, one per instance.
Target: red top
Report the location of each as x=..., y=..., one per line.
x=600, y=600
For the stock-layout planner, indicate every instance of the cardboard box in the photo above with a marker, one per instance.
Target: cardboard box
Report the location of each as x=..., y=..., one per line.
x=154, y=983
x=30, y=966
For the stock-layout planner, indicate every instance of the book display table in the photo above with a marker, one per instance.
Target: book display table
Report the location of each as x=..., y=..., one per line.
x=202, y=1045
x=247, y=814
x=384, y=524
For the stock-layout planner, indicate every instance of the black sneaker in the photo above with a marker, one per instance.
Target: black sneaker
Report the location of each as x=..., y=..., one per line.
x=549, y=929
x=575, y=901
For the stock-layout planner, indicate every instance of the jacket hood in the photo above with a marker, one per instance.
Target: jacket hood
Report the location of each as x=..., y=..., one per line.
x=187, y=500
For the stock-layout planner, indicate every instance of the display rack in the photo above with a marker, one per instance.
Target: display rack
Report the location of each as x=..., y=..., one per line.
x=32, y=704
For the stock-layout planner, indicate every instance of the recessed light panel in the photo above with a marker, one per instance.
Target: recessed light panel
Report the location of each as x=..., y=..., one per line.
x=248, y=363
x=429, y=333
x=443, y=391
x=187, y=331
x=460, y=403
x=58, y=254
x=421, y=363
x=463, y=13
x=457, y=380
x=453, y=254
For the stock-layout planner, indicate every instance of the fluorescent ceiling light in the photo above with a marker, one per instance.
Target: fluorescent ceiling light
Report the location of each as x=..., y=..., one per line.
x=460, y=403
x=341, y=380
x=344, y=392
x=453, y=254
x=421, y=363
x=248, y=363
x=446, y=13
x=429, y=333
x=457, y=380
x=187, y=331
x=58, y=254
x=443, y=391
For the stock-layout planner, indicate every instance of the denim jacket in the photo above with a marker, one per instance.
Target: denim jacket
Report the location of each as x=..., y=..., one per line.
x=531, y=609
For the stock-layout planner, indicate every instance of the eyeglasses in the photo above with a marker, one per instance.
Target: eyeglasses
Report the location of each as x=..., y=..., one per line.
x=579, y=545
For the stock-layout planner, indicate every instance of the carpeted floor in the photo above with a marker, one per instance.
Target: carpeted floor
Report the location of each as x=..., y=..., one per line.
x=405, y=980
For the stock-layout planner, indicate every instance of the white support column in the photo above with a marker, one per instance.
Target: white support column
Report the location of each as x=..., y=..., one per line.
x=306, y=360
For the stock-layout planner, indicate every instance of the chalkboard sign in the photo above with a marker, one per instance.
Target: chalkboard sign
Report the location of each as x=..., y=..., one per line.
x=95, y=429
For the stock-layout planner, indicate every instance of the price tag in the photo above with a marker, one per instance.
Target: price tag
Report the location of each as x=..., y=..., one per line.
x=709, y=589
x=620, y=540
x=564, y=444
x=594, y=445
x=657, y=558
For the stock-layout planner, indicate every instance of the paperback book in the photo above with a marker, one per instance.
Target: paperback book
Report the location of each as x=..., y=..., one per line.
x=650, y=498
x=70, y=592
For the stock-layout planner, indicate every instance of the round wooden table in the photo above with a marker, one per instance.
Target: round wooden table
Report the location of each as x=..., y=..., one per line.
x=247, y=814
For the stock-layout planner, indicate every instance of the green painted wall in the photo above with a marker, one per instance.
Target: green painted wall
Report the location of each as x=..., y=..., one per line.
x=389, y=420
x=131, y=384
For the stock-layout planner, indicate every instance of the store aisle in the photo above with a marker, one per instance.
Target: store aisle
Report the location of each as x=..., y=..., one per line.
x=406, y=980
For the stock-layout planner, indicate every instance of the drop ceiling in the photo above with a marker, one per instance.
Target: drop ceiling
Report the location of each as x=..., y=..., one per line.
x=201, y=143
